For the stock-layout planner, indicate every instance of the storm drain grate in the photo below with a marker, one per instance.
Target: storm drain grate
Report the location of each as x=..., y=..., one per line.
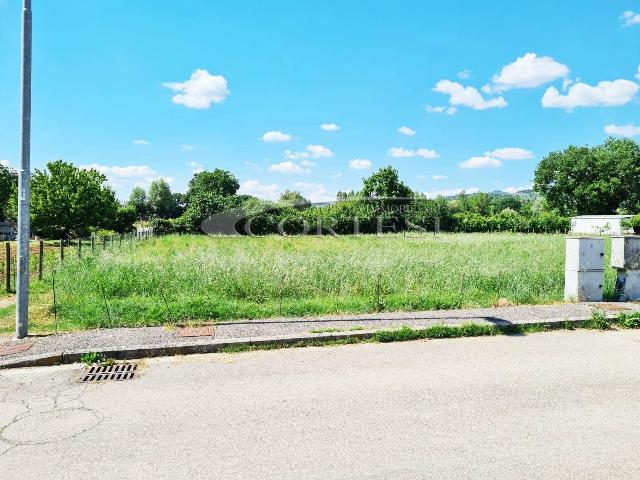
x=118, y=371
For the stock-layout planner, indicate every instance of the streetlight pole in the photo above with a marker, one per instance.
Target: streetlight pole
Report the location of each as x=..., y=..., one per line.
x=24, y=181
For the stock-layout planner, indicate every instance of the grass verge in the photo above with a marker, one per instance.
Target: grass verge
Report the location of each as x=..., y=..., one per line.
x=598, y=321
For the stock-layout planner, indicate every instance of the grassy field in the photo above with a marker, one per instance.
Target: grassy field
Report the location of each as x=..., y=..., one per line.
x=180, y=279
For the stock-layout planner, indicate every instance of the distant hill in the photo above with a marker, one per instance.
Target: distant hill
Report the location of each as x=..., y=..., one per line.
x=525, y=194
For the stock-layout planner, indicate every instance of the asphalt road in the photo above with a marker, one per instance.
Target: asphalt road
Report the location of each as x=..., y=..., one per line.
x=562, y=405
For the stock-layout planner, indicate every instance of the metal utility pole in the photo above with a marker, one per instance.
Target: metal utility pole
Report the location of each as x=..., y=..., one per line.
x=24, y=181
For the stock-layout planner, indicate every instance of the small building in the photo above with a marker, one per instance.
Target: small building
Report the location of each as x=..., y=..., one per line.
x=599, y=224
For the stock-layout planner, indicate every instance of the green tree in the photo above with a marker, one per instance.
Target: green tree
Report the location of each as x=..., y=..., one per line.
x=219, y=182
x=480, y=203
x=124, y=218
x=201, y=206
x=295, y=199
x=69, y=201
x=8, y=187
x=462, y=202
x=209, y=193
x=385, y=183
x=592, y=180
x=161, y=200
x=179, y=204
x=500, y=202
x=138, y=200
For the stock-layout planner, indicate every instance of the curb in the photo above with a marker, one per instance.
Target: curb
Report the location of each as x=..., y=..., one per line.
x=142, y=351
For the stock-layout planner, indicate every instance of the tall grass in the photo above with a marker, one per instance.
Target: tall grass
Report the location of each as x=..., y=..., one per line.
x=197, y=278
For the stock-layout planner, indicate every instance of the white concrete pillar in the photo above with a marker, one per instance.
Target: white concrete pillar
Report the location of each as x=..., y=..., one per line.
x=625, y=257
x=584, y=269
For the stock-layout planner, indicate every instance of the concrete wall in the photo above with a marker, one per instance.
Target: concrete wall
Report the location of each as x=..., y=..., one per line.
x=599, y=224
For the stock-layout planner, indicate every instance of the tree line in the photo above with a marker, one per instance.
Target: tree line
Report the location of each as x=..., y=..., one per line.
x=68, y=201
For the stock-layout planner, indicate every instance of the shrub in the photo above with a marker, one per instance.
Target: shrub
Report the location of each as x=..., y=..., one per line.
x=631, y=222
x=168, y=226
x=598, y=321
x=629, y=320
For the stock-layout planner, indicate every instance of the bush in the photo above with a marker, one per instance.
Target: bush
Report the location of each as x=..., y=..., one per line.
x=168, y=226
x=511, y=221
x=632, y=222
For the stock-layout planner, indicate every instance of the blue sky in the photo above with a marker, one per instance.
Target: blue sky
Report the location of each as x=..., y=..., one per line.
x=163, y=88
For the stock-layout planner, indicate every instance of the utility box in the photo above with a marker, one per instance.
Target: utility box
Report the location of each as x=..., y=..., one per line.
x=584, y=253
x=625, y=252
x=584, y=269
x=583, y=286
x=628, y=284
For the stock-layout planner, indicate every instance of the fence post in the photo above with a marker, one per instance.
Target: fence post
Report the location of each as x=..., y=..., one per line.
x=119, y=240
x=79, y=247
x=7, y=265
x=93, y=244
x=40, y=258
x=104, y=243
x=61, y=250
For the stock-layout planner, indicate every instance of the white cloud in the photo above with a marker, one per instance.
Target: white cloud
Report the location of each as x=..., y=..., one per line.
x=406, y=131
x=141, y=141
x=510, y=153
x=312, y=151
x=528, y=71
x=426, y=153
x=630, y=18
x=638, y=74
x=440, y=109
x=315, y=192
x=629, y=130
x=467, y=96
x=128, y=171
x=464, y=74
x=307, y=163
x=6, y=163
x=129, y=176
x=288, y=168
x=329, y=127
x=481, y=162
x=399, y=152
x=200, y=91
x=336, y=175
x=318, y=151
x=451, y=193
x=188, y=147
x=276, y=136
x=290, y=154
x=360, y=164
x=566, y=83
x=513, y=190
x=196, y=167
x=439, y=177
x=605, y=94
x=258, y=189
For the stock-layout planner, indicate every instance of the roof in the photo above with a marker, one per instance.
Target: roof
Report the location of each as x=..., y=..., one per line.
x=602, y=216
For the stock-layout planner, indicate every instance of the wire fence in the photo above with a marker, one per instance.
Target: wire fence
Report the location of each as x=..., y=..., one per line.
x=45, y=255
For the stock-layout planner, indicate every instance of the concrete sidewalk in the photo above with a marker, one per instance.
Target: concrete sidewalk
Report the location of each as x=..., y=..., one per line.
x=142, y=342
